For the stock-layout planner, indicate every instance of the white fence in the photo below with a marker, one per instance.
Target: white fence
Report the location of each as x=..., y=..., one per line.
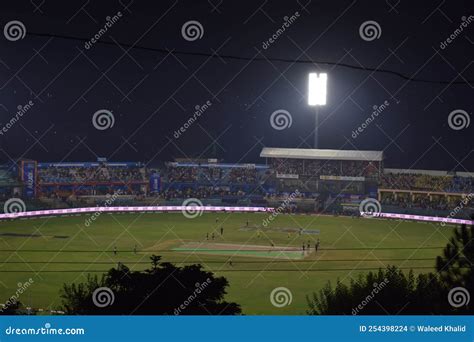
x=55, y=212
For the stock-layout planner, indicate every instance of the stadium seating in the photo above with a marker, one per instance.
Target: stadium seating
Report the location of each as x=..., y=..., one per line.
x=82, y=174
x=62, y=180
x=324, y=183
x=424, y=182
x=325, y=167
x=214, y=174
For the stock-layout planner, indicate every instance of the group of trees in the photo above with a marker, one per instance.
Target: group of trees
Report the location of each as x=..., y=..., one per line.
x=164, y=289
x=391, y=291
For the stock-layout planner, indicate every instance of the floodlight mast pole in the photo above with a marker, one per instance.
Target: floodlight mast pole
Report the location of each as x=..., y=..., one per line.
x=317, y=97
x=316, y=123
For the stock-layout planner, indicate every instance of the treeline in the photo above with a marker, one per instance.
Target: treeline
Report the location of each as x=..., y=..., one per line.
x=393, y=292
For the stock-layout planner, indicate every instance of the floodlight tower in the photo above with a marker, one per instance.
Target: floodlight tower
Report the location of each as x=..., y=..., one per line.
x=317, y=89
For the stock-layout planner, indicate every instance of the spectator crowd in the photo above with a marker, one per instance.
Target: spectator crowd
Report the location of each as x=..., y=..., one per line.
x=213, y=174
x=101, y=173
x=316, y=168
x=425, y=182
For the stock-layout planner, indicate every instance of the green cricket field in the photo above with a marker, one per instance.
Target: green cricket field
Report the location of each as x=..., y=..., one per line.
x=256, y=259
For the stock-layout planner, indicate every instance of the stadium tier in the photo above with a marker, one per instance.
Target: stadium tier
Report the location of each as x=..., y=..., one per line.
x=324, y=164
x=315, y=180
x=428, y=180
x=215, y=182
x=9, y=183
x=89, y=178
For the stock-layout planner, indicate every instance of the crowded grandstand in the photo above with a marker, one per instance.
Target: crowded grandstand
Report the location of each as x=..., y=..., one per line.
x=319, y=181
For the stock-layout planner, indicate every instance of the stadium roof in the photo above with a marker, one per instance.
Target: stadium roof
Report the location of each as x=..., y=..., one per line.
x=301, y=153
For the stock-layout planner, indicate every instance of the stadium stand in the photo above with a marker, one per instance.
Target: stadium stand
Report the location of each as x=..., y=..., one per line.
x=427, y=180
x=324, y=172
x=317, y=163
x=324, y=181
x=437, y=193
x=8, y=177
x=9, y=184
x=90, y=178
x=233, y=177
x=214, y=183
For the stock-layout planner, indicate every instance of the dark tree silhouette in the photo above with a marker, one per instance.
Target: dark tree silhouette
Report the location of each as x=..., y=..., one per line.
x=164, y=289
x=391, y=291
x=455, y=266
x=12, y=309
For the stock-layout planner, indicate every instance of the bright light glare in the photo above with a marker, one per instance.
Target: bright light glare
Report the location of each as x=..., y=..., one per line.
x=317, y=89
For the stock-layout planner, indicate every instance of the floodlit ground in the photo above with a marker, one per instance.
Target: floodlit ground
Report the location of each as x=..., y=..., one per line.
x=56, y=250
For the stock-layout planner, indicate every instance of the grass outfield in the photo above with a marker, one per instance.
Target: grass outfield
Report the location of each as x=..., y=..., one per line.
x=56, y=250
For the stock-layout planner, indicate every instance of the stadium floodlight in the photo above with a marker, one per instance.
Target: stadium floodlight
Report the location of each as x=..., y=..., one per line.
x=317, y=89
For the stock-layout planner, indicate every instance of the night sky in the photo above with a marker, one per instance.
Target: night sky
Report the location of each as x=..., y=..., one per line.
x=152, y=93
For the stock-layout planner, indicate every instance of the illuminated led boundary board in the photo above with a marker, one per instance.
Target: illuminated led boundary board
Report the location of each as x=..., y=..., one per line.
x=180, y=208
x=211, y=209
x=442, y=220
